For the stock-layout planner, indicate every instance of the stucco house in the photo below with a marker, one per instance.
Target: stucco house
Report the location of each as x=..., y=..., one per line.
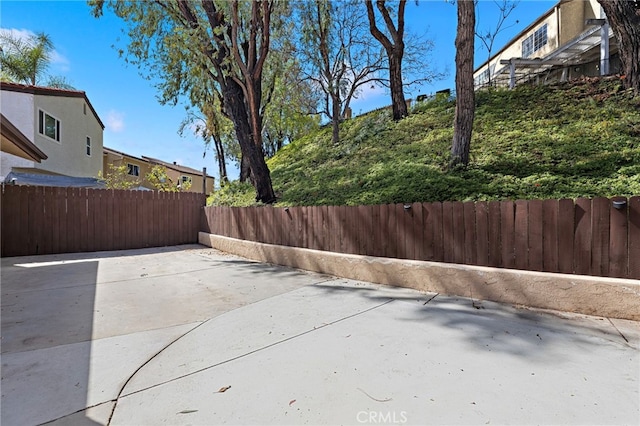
x=571, y=39
x=139, y=167
x=61, y=124
x=179, y=174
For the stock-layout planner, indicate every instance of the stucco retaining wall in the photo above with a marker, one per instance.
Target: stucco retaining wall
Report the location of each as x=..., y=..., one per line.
x=607, y=297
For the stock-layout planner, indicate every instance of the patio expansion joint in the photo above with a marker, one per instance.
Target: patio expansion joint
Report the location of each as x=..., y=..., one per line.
x=76, y=412
x=315, y=328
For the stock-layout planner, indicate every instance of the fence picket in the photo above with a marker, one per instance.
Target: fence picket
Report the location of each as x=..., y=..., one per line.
x=550, y=235
x=384, y=230
x=482, y=233
x=418, y=231
x=565, y=235
x=494, y=228
x=507, y=233
x=521, y=235
x=600, y=236
x=618, y=244
x=436, y=217
x=634, y=237
x=535, y=220
x=582, y=237
x=470, y=236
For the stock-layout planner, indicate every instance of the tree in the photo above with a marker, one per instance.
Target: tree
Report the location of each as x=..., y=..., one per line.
x=211, y=125
x=624, y=18
x=161, y=181
x=118, y=177
x=25, y=61
x=465, y=96
x=291, y=111
x=394, y=49
x=229, y=41
x=488, y=36
x=338, y=54
x=205, y=115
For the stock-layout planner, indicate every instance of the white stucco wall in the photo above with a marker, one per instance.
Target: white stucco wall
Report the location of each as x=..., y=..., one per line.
x=18, y=108
x=8, y=161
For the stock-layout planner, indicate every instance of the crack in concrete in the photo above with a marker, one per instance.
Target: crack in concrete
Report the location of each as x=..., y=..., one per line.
x=115, y=401
x=323, y=325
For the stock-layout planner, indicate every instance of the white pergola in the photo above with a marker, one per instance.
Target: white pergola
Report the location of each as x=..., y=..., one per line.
x=579, y=50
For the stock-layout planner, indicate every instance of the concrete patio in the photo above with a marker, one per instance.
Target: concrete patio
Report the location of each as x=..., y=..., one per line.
x=190, y=335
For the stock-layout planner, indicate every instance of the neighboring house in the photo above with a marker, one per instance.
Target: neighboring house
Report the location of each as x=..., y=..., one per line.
x=138, y=168
x=61, y=124
x=180, y=174
x=570, y=40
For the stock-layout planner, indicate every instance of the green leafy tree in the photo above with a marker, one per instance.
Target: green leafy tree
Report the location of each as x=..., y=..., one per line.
x=291, y=110
x=25, y=61
x=118, y=177
x=215, y=129
x=228, y=42
x=159, y=179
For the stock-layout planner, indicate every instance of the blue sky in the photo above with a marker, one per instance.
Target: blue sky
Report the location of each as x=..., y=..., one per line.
x=138, y=125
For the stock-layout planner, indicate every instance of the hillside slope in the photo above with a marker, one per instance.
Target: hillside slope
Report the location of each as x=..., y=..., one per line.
x=573, y=140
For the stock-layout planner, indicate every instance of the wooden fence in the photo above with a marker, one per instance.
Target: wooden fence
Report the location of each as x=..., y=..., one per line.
x=582, y=236
x=45, y=220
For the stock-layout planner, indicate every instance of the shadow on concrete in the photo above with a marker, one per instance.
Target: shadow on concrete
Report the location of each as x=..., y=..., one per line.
x=46, y=338
x=255, y=267
x=491, y=326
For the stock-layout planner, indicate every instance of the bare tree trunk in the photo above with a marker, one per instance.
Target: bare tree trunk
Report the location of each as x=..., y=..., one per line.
x=395, y=52
x=245, y=170
x=465, y=96
x=222, y=165
x=624, y=18
x=398, y=102
x=260, y=176
x=335, y=119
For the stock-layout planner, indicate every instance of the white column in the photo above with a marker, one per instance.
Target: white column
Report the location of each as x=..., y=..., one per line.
x=604, y=45
x=512, y=74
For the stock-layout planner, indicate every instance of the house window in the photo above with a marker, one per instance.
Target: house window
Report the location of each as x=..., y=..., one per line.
x=133, y=169
x=184, y=183
x=88, y=146
x=534, y=42
x=48, y=126
x=84, y=109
